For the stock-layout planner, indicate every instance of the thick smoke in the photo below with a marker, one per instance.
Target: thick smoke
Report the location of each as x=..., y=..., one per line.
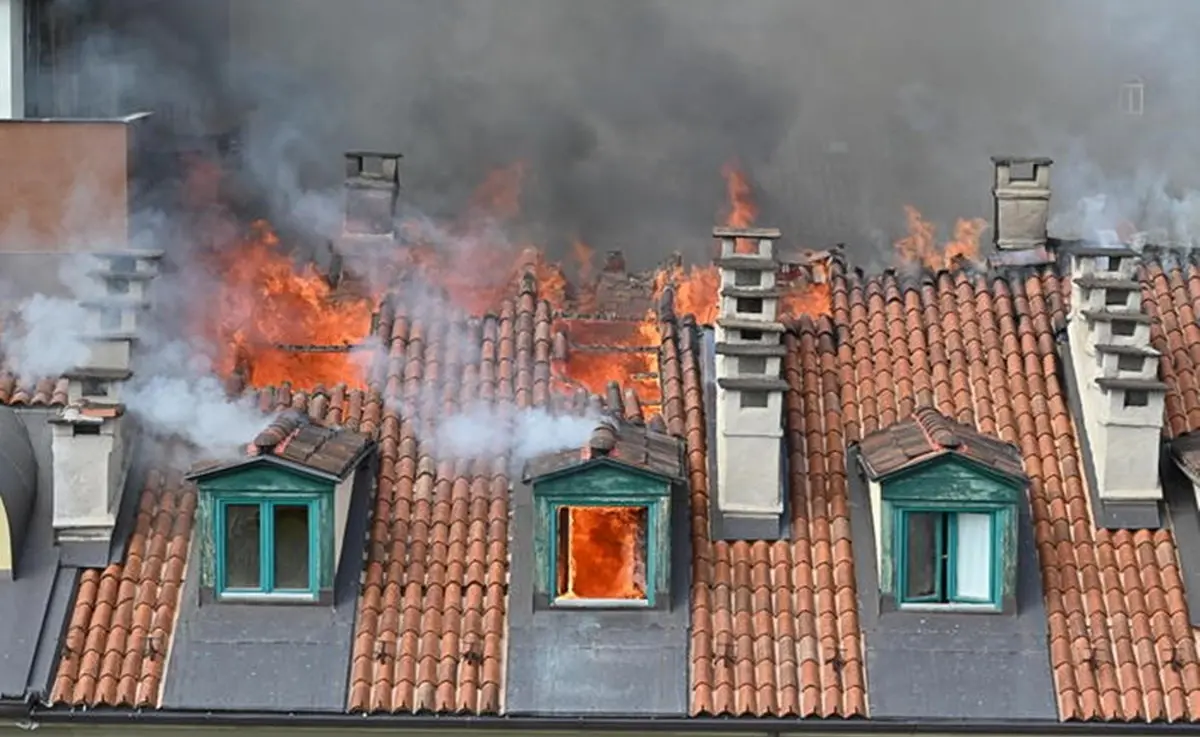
x=841, y=111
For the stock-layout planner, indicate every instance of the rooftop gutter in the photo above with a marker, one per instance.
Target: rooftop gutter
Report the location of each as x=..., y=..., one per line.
x=521, y=724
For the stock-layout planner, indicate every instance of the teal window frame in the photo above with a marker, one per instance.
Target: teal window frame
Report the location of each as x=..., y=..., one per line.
x=266, y=541
x=551, y=573
x=947, y=548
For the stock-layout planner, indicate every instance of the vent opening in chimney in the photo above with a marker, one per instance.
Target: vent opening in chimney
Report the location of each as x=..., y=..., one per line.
x=118, y=285
x=1136, y=398
x=1116, y=297
x=747, y=278
x=92, y=387
x=85, y=429
x=754, y=400
x=1022, y=171
x=750, y=305
x=1130, y=363
x=751, y=335
x=601, y=553
x=752, y=365
x=1124, y=328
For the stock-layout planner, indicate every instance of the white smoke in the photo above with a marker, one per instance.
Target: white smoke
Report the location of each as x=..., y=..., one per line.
x=48, y=337
x=484, y=430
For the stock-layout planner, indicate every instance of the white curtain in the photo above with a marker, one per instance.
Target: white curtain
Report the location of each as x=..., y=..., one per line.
x=973, y=567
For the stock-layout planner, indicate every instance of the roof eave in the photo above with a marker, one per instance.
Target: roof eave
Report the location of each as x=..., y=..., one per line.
x=773, y=726
x=600, y=461
x=270, y=460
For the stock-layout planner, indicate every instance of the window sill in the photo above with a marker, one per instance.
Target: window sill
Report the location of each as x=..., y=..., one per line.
x=600, y=604
x=956, y=608
x=250, y=598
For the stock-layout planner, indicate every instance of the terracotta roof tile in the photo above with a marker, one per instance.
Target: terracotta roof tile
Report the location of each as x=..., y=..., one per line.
x=432, y=615
x=21, y=391
x=926, y=434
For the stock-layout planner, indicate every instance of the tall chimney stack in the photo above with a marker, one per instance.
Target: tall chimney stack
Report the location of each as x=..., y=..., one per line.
x=1022, y=202
x=91, y=437
x=749, y=395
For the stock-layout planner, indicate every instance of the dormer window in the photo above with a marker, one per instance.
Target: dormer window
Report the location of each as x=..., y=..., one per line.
x=274, y=521
x=602, y=520
x=945, y=499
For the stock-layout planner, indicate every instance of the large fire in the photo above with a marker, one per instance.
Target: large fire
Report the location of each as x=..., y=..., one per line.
x=602, y=553
x=266, y=306
x=920, y=246
x=275, y=321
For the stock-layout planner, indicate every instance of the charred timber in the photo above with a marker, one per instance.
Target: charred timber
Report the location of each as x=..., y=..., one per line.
x=337, y=348
x=596, y=348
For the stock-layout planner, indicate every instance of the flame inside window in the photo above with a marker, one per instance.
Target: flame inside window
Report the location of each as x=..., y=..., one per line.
x=601, y=553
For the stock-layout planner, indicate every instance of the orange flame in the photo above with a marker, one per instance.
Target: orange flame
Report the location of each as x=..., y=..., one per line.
x=742, y=210
x=920, y=245
x=604, y=558
x=265, y=302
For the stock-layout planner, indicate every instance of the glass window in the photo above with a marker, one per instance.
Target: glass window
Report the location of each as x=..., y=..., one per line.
x=265, y=547
x=946, y=557
x=243, y=549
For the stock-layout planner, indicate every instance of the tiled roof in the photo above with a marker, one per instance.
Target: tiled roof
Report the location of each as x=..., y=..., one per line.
x=115, y=649
x=1170, y=294
x=430, y=635
x=21, y=391
x=626, y=443
x=983, y=350
x=293, y=436
x=775, y=624
x=927, y=434
x=118, y=641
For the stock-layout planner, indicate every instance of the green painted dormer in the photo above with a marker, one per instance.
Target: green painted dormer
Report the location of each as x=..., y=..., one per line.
x=272, y=523
x=944, y=503
x=602, y=520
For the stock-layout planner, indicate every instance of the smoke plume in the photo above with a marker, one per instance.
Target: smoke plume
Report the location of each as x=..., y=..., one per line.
x=841, y=112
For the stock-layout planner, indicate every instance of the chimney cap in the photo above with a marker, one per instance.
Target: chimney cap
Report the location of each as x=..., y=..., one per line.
x=1035, y=160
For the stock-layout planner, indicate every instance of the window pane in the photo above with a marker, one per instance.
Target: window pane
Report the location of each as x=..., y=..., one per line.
x=291, y=546
x=242, y=525
x=921, y=541
x=973, y=550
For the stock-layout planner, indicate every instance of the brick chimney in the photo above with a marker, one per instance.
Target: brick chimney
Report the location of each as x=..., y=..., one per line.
x=1116, y=373
x=91, y=436
x=749, y=395
x=1022, y=202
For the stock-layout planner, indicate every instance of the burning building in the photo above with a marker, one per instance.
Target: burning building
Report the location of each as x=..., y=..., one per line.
x=431, y=475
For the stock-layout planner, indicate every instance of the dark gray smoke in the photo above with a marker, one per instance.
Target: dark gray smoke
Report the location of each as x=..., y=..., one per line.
x=841, y=111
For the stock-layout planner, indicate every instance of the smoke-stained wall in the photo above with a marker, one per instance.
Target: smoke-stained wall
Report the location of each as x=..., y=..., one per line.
x=840, y=111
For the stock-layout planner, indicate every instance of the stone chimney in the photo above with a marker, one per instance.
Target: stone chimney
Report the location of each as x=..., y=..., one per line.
x=91, y=435
x=1116, y=373
x=1022, y=202
x=749, y=394
x=372, y=190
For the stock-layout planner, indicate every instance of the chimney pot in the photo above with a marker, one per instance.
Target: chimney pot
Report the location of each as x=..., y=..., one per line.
x=603, y=440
